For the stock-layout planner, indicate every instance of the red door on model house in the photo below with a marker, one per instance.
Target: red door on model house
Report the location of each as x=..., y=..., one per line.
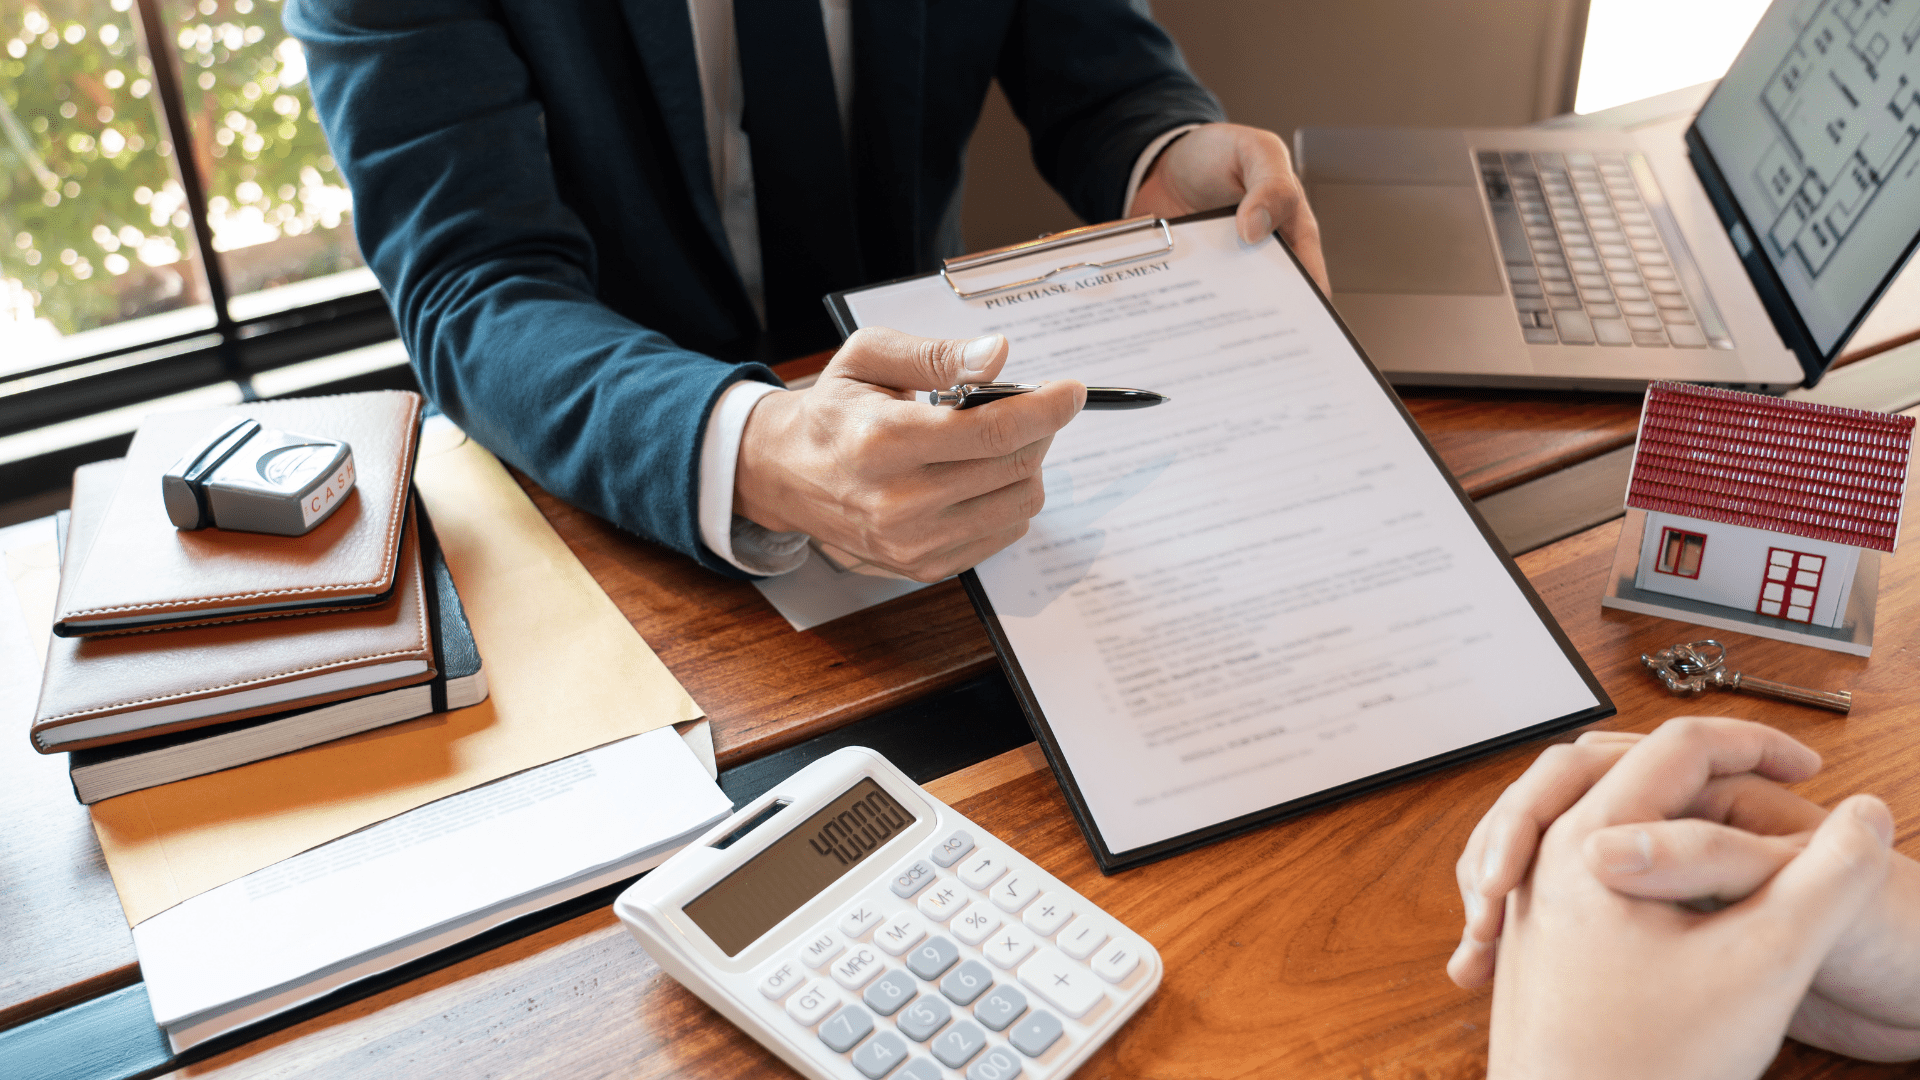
x=1792, y=584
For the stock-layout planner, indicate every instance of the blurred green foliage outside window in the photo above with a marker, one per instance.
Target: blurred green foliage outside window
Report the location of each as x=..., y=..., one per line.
x=94, y=228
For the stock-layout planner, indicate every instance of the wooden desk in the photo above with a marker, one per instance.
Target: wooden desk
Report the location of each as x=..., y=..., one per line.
x=62, y=937
x=1314, y=947
x=764, y=686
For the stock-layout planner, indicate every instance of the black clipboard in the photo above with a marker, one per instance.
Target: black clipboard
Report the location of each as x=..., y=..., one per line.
x=1111, y=861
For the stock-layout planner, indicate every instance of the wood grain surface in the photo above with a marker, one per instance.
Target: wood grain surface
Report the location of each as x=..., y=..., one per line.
x=1313, y=947
x=1495, y=439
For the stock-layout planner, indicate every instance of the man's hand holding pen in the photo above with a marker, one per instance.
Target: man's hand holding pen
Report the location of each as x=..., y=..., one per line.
x=858, y=461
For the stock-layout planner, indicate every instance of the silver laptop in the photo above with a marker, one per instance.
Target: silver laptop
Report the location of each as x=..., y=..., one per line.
x=1741, y=249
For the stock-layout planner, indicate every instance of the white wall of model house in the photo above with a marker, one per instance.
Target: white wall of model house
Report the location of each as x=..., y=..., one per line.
x=1733, y=570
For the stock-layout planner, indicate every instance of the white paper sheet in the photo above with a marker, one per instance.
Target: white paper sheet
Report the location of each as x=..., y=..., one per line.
x=361, y=903
x=818, y=591
x=1260, y=590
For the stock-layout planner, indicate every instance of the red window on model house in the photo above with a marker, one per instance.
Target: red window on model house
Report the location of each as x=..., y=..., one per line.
x=1680, y=553
x=1792, y=584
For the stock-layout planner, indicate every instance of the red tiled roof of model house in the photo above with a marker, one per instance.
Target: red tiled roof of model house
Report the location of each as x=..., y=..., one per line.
x=1789, y=466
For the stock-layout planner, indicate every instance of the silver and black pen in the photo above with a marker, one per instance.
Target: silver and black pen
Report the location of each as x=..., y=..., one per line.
x=969, y=395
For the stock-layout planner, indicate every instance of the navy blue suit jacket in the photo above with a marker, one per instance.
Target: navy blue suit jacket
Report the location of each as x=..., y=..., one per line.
x=531, y=187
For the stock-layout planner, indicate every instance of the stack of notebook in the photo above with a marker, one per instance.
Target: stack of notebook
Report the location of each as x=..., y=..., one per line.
x=182, y=653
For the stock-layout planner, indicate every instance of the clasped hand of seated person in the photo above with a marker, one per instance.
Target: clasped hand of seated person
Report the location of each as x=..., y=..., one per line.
x=1661, y=907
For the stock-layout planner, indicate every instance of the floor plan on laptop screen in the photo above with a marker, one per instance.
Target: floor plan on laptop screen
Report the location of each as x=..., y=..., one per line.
x=1813, y=129
x=1846, y=101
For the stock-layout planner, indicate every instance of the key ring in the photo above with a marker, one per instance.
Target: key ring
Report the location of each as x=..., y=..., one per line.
x=1691, y=667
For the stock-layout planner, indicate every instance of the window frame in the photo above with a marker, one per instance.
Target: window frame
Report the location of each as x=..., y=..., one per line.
x=231, y=351
x=1668, y=534
x=1790, y=584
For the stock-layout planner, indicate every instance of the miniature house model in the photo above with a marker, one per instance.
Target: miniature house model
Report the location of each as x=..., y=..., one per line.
x=1762, y=504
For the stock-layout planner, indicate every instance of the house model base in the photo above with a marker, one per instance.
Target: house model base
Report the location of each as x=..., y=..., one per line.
x=1848, y=586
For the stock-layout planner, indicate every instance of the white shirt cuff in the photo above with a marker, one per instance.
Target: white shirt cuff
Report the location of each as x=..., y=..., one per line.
x=1145, y=161
x=740, y=542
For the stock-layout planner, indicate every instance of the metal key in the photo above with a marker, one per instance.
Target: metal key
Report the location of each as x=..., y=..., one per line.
x=1702, y=665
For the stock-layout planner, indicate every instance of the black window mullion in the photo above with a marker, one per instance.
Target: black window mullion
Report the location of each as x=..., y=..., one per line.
x=173, y=113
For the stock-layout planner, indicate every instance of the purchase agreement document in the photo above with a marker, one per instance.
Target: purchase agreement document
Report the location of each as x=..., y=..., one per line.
x=1260, y=595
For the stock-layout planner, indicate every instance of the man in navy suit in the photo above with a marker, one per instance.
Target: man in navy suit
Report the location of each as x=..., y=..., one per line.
x=596, y=220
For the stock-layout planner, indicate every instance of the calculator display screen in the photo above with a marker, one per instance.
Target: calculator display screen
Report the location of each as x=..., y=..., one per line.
x=795, y=868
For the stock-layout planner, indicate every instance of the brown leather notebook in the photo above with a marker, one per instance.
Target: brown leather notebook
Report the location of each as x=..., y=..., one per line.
x=139, y=572
x=113, y=688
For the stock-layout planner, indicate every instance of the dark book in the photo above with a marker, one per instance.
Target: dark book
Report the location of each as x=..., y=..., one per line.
x=104, y=772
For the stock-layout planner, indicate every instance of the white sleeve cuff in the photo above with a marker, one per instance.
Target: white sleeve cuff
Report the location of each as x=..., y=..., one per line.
x=740, y=542
x=1145, y=161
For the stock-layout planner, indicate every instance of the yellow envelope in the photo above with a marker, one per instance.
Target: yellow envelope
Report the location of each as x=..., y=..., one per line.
x=566, y=672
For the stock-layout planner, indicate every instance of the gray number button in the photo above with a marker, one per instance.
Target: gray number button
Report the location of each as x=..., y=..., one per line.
x=1034, y=1034
x=957, y=1045
x=934, y=956
x=846, y=1027
x=880, y=1055
x=948, y=851
x=1002, y=1006
x=996, y=1064
x=919, y=1069
x=966, y=982
x=912, y=879
x=886, y=996
x=924, y=1017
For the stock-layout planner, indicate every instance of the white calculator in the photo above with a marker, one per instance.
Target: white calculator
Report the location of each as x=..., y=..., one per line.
x=858, y=927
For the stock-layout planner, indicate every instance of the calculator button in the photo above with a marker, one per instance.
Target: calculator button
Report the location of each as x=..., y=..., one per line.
x=1115, y=961
x=1061, y=983
x=1016, y=891
x=1002, y=1006
x=845, y=1028
x=823, y=947
x=919, y=1069
x=901, y=933
x=957, y=1045
x=859, y=919
x=1009, y=945
x=1046, y=915
x=966, y=982
x=981, y=870
x=974, y=924
x=815, y=1000
x=912, y=878
x=887, y=995
x=880, y=1055
x=924, y=1017
x=931, y=959
x=996, y=1064
x=947, y=851
x=1082, y=936
x=779, y=980
x=1035, y=1032
x=942, y=901
x=857, y=968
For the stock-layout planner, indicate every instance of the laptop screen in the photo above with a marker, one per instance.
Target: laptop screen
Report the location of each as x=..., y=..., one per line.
x=1814, y=132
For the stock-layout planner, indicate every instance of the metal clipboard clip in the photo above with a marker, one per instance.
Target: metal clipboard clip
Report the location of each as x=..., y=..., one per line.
x=1054, y=242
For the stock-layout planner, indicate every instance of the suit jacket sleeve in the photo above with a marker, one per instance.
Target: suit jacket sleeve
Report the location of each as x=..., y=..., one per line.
x=1095, y=81
x=433, y=121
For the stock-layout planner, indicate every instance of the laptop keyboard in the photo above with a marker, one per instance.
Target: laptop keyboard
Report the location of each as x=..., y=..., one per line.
x=1585, y=256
